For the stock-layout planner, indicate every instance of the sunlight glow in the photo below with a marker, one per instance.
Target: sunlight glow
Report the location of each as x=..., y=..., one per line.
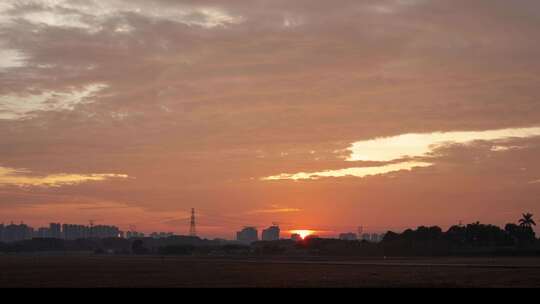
x=303, y=233
x=351, y=172
x=414, y=145
x=24, y=178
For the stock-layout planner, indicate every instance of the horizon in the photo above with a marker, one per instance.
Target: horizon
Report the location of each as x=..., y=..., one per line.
x=314, y=114
x=285, y=233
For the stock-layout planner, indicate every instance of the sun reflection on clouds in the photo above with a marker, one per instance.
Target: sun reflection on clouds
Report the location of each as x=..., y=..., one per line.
x=350, y=172
x=24, y=178
x=407, y=146
x=420, y=144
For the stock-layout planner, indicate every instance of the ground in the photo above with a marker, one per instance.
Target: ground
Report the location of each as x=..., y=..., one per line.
x=120, y=271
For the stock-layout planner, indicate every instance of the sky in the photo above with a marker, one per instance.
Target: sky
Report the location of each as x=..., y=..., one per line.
x=314, y=114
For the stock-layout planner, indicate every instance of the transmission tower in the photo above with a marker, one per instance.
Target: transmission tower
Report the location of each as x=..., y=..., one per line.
x=193, y=225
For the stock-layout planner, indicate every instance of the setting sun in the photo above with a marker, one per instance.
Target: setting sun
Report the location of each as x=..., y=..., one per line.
x=303, y=233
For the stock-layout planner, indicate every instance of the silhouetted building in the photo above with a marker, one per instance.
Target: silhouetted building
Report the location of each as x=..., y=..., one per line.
x=248, y=235
x=134, y=235
x=104, y=232
x=75, y=232
x=161, y=235
x=42, y=233
x=348, y=236
x=271, y=234
x=55, y=231
x=366, y=237
x=377, y=238
x=16, y=233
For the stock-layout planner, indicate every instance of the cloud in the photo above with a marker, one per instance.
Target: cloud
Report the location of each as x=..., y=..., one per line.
x=24, y=178
x=16, y=106
x=351, y=172
x=93, y=15
x=197, y=87
x=10, y=59
x=415, y=145
x=408, y=146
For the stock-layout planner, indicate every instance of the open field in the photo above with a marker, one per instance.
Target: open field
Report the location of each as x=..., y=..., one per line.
x=96, y=271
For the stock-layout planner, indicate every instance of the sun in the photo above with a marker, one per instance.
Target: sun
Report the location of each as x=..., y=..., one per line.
x=303, y=233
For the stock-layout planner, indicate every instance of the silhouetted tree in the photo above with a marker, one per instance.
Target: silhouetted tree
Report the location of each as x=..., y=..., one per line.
x=391, y=236
x=138, y=247
x=527, y=221
x=520, y=234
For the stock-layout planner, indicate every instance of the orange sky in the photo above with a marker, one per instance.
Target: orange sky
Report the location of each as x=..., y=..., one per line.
x=318, y=115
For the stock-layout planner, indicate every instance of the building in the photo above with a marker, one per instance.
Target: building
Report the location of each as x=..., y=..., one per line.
x=348, y=236
x=248, y=235
x=271, y=234
x=161, y=235
x=75, y=232
x=16, y=233
x=134, y=235
x=55, y=231
x=42, y=233
x=375, y=238
x=366, y=237
x=104, y=232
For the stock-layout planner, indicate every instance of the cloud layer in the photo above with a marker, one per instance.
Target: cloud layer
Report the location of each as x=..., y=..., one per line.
x=200, y=100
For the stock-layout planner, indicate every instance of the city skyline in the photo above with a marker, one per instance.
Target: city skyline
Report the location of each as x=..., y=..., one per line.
x=271, y=232
x=314, y=114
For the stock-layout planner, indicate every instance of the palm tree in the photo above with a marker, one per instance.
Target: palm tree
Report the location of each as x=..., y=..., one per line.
x=527, y=221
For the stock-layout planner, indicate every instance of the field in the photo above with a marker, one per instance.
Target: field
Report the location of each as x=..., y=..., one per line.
x=104, y=271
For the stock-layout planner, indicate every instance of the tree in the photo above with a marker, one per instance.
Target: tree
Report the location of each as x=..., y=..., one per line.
x=527, y=221
x=522, y=236
x=138, y=247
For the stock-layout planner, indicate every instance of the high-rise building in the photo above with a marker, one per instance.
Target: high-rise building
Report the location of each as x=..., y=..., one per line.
x=348, y=236
x=55, y=231
x=104, y=232
x=16, y=233
x=42, y=233
x=248, y=235
x=271, y=234
x=75, y=232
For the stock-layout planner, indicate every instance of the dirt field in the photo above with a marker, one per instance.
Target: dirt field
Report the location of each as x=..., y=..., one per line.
x=84, y=271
